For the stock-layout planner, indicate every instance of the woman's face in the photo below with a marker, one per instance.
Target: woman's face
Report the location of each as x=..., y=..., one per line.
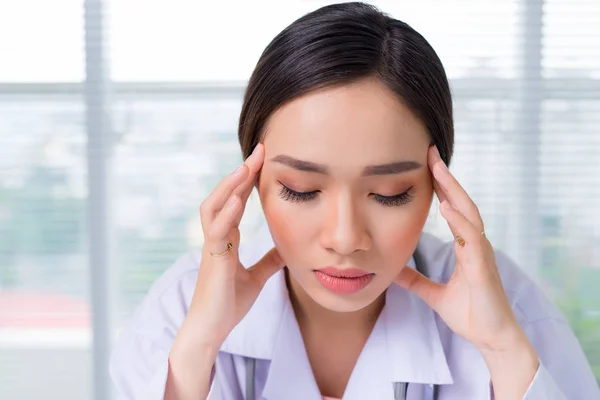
x=345, y=184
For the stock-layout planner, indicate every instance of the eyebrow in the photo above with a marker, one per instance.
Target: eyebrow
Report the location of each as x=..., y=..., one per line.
x=370, y=170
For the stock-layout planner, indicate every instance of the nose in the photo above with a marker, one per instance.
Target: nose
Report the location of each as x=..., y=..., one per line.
x=344, y=230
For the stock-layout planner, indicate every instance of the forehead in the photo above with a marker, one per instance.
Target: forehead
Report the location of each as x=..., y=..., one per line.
x=364, y=120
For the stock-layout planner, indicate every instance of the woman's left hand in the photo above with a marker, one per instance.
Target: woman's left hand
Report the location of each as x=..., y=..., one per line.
x=473, y=302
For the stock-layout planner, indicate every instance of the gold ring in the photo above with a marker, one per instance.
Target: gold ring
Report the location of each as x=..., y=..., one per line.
x=229, y=247
x=461, y=242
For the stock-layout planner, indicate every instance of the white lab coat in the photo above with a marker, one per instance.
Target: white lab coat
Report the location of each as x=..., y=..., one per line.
x=409, y=342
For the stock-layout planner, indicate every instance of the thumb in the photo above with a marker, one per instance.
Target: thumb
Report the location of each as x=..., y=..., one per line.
x=266, y=267
x=423, y=287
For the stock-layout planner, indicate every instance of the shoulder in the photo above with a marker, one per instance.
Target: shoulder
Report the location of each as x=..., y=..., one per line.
x=528, y=300
x=140, y=352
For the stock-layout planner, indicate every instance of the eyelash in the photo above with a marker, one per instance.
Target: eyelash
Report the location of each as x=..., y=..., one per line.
x=387, y=201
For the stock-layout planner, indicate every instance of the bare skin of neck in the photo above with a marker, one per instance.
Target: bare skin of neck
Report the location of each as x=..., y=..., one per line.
x=333, y=340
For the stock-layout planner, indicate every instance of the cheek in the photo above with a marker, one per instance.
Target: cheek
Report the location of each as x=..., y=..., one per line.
x=289, y=229
x=397, y=236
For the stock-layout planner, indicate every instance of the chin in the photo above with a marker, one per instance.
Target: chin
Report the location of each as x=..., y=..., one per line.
x=341, y=305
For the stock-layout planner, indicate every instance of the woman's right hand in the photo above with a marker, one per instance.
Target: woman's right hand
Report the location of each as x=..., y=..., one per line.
x=225, y=289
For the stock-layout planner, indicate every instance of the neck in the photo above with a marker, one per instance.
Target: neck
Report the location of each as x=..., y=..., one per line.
x=311, y=315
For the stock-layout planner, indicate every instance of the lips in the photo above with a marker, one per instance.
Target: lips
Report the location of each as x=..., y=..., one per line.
x=343, y=273
x=343, y=281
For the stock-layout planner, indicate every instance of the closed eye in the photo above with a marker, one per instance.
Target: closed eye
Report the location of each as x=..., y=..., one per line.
x=294, y=196
x=395, y=200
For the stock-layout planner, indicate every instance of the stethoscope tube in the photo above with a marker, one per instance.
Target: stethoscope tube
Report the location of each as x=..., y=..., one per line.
x=401, y=391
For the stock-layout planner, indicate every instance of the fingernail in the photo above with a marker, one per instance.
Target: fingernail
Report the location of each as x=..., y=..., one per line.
x=436, y=152
x=255, y=149
x=443, y=165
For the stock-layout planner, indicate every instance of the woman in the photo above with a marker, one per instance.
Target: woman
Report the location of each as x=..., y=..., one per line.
x=346, y=130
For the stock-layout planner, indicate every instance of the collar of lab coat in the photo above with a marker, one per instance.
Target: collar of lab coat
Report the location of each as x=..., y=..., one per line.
x=404, y=346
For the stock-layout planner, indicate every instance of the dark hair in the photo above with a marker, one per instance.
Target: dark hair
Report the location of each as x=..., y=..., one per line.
x=340, y=44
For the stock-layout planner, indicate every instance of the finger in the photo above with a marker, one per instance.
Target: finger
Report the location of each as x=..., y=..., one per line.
x=266, y=267
x=216, y=200
x=254, y=163
x=424, y=288
x=453, y=191
x=439, y=192
x=461, y=226
x=237, y=183
x=443, y=200
x=217, y=236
